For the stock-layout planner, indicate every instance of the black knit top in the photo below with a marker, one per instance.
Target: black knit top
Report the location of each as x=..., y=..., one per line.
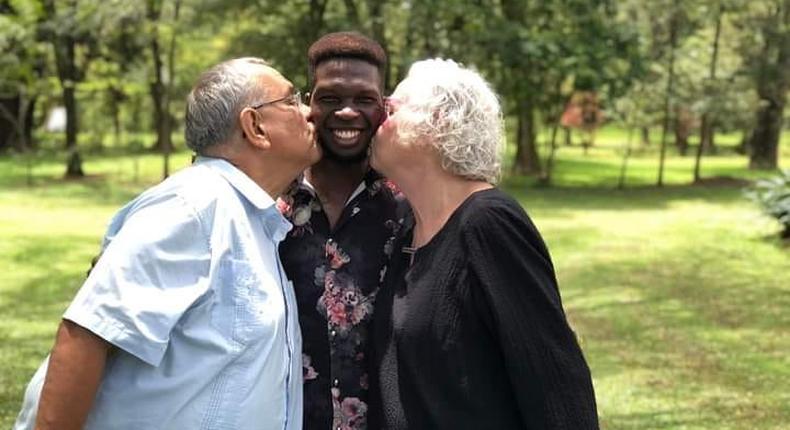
x=470, y=332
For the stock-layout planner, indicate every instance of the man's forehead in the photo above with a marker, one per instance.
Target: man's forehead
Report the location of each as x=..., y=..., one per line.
x=341, y=71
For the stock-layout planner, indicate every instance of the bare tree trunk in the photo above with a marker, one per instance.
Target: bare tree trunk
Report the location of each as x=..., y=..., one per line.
x=352, y=13
x=645, y=135
x=171, y=71
x=682, y=129
x=764, y=142
x=546, y=177
x=12, y=123
x=527, y=161
x=158, y=88
x=706, y=135
x=69, y=75
x=673, y=36
x=772, y=86
x=626, y=156
x=377, y=24
x=29, y=120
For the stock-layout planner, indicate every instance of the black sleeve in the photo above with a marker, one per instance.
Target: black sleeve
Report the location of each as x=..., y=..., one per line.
x=518, y=293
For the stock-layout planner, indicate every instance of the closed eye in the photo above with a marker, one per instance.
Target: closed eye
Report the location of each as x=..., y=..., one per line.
x=329, y=100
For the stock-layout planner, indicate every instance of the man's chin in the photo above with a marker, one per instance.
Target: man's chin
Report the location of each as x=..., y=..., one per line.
x=352, y=156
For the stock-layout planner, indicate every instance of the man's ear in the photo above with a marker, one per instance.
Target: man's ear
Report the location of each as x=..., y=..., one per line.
x=252, y=129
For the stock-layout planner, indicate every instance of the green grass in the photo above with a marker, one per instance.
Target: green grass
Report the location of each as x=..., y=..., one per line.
x=679, y=295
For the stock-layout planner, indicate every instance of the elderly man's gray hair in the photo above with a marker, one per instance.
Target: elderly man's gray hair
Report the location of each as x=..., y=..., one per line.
x=215, y=101
x=459, y=114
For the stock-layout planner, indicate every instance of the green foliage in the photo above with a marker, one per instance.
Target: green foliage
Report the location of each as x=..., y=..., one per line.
x=773, y=195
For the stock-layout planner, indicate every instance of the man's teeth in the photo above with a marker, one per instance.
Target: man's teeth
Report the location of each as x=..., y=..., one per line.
x=346, y=134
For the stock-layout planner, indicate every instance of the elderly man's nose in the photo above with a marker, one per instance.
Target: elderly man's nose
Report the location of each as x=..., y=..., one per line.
x=347, y=113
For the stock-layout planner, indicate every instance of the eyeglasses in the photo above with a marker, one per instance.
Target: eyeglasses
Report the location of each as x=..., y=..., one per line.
x=294, y=99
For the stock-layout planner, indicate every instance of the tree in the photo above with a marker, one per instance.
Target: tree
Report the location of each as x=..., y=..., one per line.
x=70, y=28
x=766, y=24
x=22, y=66
x=159, y=86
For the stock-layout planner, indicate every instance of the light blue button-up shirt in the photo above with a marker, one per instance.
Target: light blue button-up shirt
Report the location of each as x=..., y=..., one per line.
x=191, y=290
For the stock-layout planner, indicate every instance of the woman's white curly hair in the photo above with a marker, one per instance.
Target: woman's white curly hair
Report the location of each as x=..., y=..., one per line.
x=459, y=114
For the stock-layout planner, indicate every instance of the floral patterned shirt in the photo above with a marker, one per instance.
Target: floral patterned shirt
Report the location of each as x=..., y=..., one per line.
x=336, y=274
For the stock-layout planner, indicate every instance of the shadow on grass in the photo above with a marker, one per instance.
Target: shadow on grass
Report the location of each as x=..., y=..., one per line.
x=664, y=419
x=95, y=190
x=597, y=198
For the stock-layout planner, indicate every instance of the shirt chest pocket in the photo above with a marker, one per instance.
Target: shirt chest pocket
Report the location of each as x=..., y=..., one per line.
x=254, y=308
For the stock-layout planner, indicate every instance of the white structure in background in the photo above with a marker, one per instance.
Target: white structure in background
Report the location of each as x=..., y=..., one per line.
x=56, y=121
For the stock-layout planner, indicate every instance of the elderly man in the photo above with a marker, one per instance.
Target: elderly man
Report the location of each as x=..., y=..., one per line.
x=187, y=320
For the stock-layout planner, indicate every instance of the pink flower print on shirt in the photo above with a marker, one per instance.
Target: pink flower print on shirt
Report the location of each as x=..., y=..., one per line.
x=284, y=205
x=337, y=258
x=350, y=413
x=342, y=302
x=307, y=368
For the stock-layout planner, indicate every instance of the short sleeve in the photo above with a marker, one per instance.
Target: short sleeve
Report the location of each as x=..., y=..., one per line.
x=519, y=296
x=154, y=268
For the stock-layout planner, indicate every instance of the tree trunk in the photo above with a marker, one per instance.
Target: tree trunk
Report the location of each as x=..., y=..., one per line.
x=764, y=142
x=74, y=165
x=69, y=75
x=568, y=138
x=626, y=156
x=116, y=96
x=682, y=130
x=376, y=10
x=546, y=176
x=645, y=136
x=706, y=135
x=70, y=103
x=673, y=41
x=157, y=88
x=28, y=126
x=352, y=13
x=773, y=82
x=527, y=161
x=10, y=128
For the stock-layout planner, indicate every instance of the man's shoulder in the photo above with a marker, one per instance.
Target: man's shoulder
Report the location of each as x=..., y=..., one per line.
x=193, y=191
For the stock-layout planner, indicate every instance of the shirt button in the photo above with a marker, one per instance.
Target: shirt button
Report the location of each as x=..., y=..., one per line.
x=333, y=333
x=335, y=382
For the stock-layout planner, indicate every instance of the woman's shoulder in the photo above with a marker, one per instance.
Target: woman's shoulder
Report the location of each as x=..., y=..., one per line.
x=492, y=219
x=492, y=207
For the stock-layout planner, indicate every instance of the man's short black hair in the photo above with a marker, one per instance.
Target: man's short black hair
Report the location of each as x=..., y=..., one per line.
x=346, y=44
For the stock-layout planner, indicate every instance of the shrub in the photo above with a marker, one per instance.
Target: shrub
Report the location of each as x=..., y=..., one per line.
x=773, y=195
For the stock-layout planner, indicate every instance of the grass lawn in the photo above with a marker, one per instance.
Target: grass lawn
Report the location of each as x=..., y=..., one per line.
x=679, y=295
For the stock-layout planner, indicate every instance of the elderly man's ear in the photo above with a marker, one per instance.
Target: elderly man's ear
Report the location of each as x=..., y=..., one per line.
x=252, y=129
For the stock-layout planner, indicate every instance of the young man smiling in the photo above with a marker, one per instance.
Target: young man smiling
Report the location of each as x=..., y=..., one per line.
x=345, y=216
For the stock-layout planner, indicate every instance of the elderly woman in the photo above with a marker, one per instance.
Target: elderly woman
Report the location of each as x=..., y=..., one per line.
x=470, y=331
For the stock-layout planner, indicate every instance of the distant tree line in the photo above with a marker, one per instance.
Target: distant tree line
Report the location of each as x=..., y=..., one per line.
x=117, y=66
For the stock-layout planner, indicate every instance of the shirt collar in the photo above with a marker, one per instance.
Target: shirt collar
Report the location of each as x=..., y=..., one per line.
x=370, y=178
x=274, y=223
x=239, y=180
